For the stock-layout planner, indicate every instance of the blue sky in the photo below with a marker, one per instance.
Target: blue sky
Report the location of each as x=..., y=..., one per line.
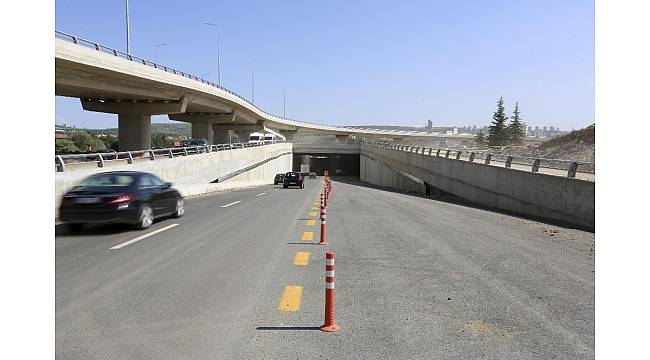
x=365, y=62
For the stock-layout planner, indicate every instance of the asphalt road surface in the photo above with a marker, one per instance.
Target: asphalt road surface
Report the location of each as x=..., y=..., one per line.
x=416, y=278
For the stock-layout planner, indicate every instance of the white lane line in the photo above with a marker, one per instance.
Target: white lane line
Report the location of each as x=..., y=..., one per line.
x=142, y=237
x=260, y=194
x=276, y=189
x=231, y=204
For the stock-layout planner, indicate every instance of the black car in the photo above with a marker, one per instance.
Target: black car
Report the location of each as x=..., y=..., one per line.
x=120, y=197
x=279, y=178
x=293, y=178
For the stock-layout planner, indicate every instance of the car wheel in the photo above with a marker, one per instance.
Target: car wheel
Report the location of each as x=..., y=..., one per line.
x=285, y=186
x=302, y=185
x=75, y=228
x=180, y=208
x=146, y=217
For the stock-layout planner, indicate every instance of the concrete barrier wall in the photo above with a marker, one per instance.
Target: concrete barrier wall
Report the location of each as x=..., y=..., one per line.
x=556, y=199
x=377, y=173
x=192, y=175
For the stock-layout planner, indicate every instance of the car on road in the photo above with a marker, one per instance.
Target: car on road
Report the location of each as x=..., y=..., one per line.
x=279, y=178
x=120, y=197
x=312, y=175
x=293, y=179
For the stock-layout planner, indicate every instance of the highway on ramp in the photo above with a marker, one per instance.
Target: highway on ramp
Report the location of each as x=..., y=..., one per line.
x=416, y=278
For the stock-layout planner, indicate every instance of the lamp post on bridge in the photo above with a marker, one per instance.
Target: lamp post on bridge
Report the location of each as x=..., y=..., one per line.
x=252, y=80
x=218, y=52
x=128, y=32
x=155, y=56
x=284, y=100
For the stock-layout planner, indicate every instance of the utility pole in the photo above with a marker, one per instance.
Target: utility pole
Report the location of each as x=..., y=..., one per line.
x=128, y=32
x=218, y=52
x=252, y=81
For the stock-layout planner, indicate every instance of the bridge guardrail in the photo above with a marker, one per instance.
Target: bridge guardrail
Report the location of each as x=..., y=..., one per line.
x=129, y=156
x=108, y=50
x=570, y=166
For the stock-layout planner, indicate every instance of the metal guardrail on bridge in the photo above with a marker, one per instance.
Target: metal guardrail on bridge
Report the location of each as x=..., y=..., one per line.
x=108, y=50
x=535, y=163
x=152, y=154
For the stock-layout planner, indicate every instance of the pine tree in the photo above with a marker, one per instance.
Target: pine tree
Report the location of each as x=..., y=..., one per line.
x=516, y=127
x=480, y=139
x=498, y=135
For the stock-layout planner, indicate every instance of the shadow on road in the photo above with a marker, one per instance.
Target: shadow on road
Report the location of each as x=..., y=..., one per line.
x=302, y=243
x=287, y=328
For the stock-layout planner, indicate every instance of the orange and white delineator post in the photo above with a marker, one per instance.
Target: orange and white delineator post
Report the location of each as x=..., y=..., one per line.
x=330, y=321
x=323, y=214
x=326, y=196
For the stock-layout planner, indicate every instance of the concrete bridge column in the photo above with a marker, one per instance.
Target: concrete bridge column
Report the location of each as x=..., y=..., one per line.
x=342, y=139
x=203, y=130
x=288, y=134
x=220, y=135
x=134, y=132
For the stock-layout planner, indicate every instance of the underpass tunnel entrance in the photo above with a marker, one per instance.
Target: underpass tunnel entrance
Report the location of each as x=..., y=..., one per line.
x=335, y=164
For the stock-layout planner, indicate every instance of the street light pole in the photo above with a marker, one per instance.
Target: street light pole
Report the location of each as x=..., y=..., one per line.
x=284, y=100
x=252, y=81
x=218, y=51
x=128, y=32
x=155, y=56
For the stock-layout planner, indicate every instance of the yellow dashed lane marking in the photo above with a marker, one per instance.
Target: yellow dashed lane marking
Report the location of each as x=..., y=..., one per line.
x=311, y=222
x=290, y=300
x=313, y=213
x=302, y=258
x=308, y=235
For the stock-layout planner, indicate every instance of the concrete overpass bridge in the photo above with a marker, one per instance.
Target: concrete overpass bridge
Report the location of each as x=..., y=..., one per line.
x=107, y=80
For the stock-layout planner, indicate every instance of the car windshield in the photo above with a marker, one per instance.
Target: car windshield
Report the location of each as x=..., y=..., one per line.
x=195, y=143
x=108, y=180
x=255, y=138
x=268, y=138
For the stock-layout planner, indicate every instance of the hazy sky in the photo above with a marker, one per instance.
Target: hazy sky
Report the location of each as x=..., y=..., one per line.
x=364, y=62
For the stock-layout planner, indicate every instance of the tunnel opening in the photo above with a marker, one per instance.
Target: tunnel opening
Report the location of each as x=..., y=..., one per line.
x=334, y=164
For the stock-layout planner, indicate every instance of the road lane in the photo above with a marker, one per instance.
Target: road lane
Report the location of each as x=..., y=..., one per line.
x=416, y=278
x=173, y=296
x=423, y=279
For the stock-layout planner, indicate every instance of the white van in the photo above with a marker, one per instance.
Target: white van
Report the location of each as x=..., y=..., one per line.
x=270, y=137
x=256, y=137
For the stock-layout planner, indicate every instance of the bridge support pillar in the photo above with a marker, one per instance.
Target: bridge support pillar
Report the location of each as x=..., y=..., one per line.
x=220, y=135
x=203, y=130
x=288, y=134
x=342, y=139
x=134, y=132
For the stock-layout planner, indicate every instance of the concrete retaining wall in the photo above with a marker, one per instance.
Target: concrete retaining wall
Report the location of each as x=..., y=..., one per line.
x=192, y=175
x=552, y=198
x=379, y=173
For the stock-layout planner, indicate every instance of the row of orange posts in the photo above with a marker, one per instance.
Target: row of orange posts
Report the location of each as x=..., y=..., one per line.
x=330, y=321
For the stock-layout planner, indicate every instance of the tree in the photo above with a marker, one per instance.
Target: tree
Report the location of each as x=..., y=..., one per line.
x=86, y=142
x=159, y=140
x=480, y=139
x=498, y=135
x=516, y=127
x=81, y=139
x=64, y=146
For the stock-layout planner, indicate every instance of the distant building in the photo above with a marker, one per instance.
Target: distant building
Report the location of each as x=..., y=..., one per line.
x=429, y=125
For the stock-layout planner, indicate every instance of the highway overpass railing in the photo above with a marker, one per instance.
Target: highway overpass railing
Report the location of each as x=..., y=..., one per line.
x=108, y=50
x=62, y=161
x=535, y=163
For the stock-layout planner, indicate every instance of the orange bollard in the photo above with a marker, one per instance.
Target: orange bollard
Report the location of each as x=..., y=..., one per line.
x=330, y=321
x=323, y=213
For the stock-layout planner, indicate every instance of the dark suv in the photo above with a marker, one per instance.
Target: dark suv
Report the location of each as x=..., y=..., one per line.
x=279, y=178
x=293, y=179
